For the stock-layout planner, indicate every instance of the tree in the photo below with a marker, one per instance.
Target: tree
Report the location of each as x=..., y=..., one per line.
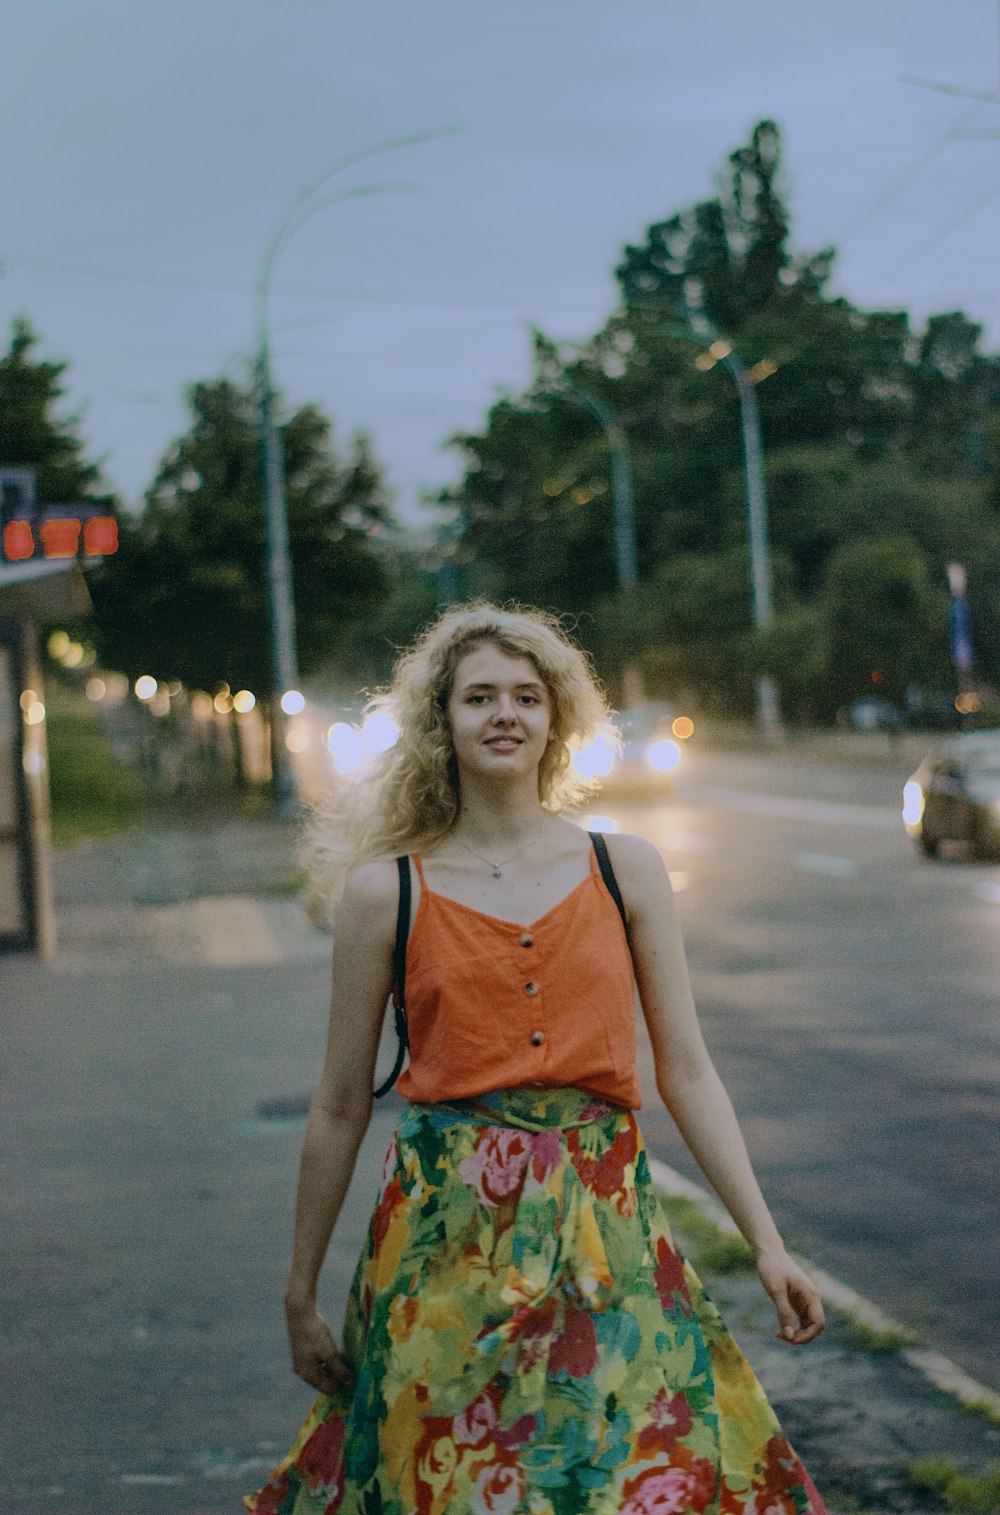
x=734, y=245
x=185, y=597
x=33, y=434
x=872, y=431
x=886, y=623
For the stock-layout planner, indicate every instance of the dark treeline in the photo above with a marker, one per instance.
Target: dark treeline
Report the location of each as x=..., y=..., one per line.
x=882, y=454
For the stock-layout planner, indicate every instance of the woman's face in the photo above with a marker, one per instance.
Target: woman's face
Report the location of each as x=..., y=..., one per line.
x=500, y=713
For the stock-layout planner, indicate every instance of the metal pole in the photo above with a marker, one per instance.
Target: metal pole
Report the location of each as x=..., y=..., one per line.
x=280, y=586
x=280, y=590
x=626, y=553
x=768, y=710
x=768, y=706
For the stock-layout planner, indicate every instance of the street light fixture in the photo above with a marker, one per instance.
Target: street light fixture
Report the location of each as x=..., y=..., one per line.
x=720, y=350
x=280, y=586
x=280, y=589
x=626, y=554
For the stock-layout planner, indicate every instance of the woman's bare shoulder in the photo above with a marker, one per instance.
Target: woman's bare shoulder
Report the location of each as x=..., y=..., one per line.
x=632, y=851
x=637, y=862
x=373, y=884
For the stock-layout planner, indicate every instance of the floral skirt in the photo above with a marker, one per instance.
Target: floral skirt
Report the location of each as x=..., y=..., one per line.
x=525, y=1339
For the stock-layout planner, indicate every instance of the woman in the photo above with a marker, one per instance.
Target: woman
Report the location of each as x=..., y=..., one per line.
x=521, y=1336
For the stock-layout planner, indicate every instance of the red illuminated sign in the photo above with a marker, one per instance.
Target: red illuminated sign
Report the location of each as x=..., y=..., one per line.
x=60, y=537
x=18, y=541
x=100, y=536
x=60, y=532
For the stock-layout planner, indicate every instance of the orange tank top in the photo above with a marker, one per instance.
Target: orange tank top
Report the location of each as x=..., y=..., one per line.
x=495, y=1005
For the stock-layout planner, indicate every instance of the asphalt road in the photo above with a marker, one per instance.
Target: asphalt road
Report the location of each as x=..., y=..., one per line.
x=850, y=994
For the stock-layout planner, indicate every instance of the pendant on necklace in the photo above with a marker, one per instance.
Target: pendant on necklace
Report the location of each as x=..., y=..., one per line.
x=497, y=873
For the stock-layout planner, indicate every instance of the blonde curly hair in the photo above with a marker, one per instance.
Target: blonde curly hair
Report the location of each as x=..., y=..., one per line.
x=408, y=798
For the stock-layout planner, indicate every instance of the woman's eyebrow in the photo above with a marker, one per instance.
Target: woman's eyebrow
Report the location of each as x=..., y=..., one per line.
x=528, y=685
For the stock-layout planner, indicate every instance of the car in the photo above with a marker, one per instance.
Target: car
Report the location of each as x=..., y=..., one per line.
x=954, y=796
x=874, y=714
x=652, y=741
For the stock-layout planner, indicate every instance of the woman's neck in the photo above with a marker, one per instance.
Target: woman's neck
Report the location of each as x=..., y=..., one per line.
x=498, y=818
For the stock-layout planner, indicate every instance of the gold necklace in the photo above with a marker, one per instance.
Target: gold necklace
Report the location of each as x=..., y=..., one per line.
x=498, y=867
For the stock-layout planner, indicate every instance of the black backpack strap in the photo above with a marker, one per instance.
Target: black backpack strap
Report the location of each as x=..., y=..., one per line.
x=608, y=875
x=399, y=975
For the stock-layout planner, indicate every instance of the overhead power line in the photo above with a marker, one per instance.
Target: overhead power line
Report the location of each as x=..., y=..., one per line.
x=168, y=281
x=905, y=177
x=959, y=131
x=936, y=237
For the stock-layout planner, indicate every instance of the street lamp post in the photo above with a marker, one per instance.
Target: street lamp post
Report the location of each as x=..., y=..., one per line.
x=626, y=554
x=762, y=609
x=280, y=587
x=768, y=709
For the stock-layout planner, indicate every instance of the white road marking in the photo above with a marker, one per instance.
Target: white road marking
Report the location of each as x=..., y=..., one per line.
x=989, y=892
x=687, y=841
x=679, y=880
x=234, y=932
x=220, y=932
x=832, y=867
x=242, y=1468
x=159, y=1480
x=828, y=812
x=938, y=1369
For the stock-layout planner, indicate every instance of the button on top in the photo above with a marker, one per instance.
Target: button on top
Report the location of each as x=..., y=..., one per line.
x=531, y=988
x=527, y=940
x=537, y=1038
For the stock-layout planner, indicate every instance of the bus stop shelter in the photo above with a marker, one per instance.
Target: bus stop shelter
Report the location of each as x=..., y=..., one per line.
x=33, y=594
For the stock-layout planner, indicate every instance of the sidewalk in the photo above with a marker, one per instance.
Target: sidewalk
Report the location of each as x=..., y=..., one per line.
x=152, y=1091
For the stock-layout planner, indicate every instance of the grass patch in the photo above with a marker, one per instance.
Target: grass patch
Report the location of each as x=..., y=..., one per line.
x=285, y=886
x=725, y=1254
x=982, y=1408
x=91, y=793
x=957, y=1489
x=94, y=793
x=864, y=1337
x=711, y=1249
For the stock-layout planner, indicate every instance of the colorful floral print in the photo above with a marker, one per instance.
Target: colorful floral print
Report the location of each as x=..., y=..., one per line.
x=525, y=1339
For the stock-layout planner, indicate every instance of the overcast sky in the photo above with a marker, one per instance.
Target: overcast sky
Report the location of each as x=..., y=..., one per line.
x=150, y=148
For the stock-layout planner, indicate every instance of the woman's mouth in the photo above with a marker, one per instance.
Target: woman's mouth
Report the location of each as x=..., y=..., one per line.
x=504, y=743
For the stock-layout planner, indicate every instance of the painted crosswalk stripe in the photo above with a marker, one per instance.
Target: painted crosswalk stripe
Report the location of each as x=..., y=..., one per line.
x=831, y=867
x=782, y=807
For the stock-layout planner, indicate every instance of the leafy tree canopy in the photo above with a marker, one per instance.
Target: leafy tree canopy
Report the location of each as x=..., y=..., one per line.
x=185, y=597
x=872, y=432
x=33, y=431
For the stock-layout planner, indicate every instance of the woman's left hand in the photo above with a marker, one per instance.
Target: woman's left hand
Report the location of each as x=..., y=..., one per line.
x=796, y=1298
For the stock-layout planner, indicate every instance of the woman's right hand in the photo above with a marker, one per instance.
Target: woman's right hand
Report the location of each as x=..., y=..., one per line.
x=316, y=1357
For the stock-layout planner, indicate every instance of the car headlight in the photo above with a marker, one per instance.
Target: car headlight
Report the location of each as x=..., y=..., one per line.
x=663, y=755
x=596, y=760
x=913, y=803
x=345, y=746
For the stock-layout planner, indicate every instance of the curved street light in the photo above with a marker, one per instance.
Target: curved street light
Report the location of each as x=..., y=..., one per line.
x=701, y=330
x=280, y=591
x=626, y=554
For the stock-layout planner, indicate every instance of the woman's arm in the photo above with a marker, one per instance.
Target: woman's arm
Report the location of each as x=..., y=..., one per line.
x=690, y=1086
x=363, y=938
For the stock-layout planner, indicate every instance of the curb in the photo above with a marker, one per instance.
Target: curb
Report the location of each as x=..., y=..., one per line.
x=939, y=1370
